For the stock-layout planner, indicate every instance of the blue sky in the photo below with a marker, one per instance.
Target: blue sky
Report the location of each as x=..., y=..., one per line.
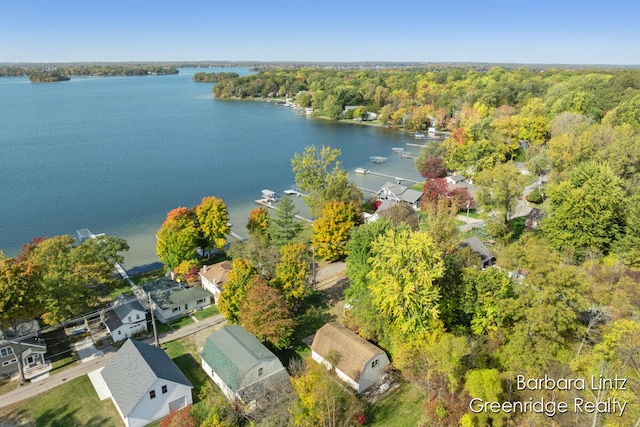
x=515, y=31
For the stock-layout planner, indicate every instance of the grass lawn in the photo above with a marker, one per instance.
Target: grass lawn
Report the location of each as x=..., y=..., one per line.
x=207, y=312
x=6, y=385
x=73, y=404
x=173, y=325
x=185, y=355
x=402, y=408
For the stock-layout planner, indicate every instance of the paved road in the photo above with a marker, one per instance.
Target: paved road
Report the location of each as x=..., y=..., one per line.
x=35, y=388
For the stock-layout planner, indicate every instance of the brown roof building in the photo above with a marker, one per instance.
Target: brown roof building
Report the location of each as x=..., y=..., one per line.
x=213, y=277
x=356, y=361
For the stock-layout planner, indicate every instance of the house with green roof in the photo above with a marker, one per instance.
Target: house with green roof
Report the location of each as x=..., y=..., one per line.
x=246, y=371
x=171, y=299
x=143, y=383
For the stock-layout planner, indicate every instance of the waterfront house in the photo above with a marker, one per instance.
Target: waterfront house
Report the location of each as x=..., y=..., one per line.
x=396, y=193
x=455, y=179
x=244, y=369
x=355, y=360
x=213, y=277
x=126, y=318
x=24, y=342
x=486, y=257
x=171, y=299
x=143, y=383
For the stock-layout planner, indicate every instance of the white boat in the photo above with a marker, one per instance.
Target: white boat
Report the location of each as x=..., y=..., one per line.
x=293, y=192
x=269, y=195
x=419, y=135
x=361, y=170
x=397, y=149
x=377, y=159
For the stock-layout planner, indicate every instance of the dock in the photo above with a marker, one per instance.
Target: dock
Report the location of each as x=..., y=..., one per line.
x=367, y=190
x=270, y=205
x=416, y=145
x=408, y=156
x=395, y=178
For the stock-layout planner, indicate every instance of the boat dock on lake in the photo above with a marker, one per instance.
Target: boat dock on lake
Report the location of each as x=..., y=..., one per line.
x=395, y=178
x=378, y=159
x=269, y=204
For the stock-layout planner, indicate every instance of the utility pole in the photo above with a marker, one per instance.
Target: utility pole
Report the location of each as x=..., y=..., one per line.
x=152, y=307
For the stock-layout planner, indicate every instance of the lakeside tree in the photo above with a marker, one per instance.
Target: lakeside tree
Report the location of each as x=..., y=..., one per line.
x=213, y=221
x=258, y=222
x=284, y=227
x=234, y=291
x=431, y=166
x=321, y=176
x=177, y=238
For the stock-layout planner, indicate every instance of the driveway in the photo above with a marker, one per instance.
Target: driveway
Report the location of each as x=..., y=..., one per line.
x=86, y=350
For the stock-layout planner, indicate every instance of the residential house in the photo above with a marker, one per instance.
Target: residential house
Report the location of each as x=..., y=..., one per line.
x=355, y=360
x=126, y=318
x=455, y=179
x=213, y=277
x=396, y=193
x=170, y=299
x=143, y=383
x=24, y=342
x=486, y=257
x=244, y=369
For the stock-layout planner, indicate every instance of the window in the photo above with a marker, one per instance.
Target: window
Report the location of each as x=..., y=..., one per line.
x=186, y=306
x=7, y=351
x=119, y=332
x=137, y=316
x=129, y=319
x=374, y=363
x=201, y=301
x=152, y=394
x=259, y=372
x=9, y=362
x=164, y=389
x=176, y=309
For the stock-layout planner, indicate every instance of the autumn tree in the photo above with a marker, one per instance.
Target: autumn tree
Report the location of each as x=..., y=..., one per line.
x=234, y=291
x=258, y=222
x=213, y=221
x=180, y=418
x=404, y=267
x=431, y=166
x=293, y=272
x=177, y=238
x=331, y=231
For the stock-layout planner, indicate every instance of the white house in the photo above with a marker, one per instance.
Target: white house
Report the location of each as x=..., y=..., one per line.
x=126, y=318
x=143, y=383
x=244, y=369
x=172, y=300
x=213, y=277
x=396, y=193
x=356, y=361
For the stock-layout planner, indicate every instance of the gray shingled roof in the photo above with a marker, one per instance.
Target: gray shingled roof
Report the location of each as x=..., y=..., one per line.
x=134, y=369
x=123, y=305
x=231, y=352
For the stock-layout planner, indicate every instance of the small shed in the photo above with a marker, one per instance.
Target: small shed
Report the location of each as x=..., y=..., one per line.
x=356, y=361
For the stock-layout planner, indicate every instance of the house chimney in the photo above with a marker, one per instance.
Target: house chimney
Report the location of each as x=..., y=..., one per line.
x=204, y=268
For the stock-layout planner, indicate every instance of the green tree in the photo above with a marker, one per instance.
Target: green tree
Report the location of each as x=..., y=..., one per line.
x=321, y=176
x=486, y=385
x=331, y=231
x=499, y=191
x=588, y=210
x=284, y=227
x=404, y=267
x=293, y=271
x=264, y=313
x=332, y=107
x=358, y=295
x=177, y=239
x=213, y=219
x=486, y=291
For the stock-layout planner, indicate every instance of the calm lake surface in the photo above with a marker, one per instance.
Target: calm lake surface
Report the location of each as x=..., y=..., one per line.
x=115, y=154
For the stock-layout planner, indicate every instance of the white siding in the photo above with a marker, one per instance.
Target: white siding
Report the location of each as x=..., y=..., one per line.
x=344, y=377
x=148, y=410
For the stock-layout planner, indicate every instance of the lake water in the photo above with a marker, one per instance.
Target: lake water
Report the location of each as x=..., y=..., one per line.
x=114, y=155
